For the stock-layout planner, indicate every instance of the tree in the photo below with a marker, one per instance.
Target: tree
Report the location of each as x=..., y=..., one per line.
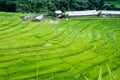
x=97, y=4
x=52, y=5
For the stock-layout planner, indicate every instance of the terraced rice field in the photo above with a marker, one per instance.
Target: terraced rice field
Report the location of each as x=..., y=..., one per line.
x=74, y=49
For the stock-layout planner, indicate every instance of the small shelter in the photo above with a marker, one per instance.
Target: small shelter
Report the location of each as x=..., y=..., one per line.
x=58, y=12
x=26, y=18
x=82, y=13
x=110, y=12
x=33, y=18
x=91, y=13
x=38, y=18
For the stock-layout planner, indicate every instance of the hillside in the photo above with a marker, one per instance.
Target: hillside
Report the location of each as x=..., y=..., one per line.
x=74, y=49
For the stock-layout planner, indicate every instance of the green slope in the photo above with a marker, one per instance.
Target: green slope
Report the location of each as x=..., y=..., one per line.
x=74, y=49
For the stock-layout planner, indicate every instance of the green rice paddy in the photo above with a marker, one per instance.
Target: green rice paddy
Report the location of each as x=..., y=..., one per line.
x=74, y=49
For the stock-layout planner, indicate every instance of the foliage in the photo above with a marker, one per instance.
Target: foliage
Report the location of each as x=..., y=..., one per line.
x=37, y=6
x=52, y=14
x=99, y=14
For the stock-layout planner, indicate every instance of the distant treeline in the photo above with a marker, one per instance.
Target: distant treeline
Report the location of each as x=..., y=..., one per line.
x=52, y=5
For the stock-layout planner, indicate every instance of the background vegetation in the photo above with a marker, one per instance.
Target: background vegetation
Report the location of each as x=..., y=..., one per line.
x=51, y=5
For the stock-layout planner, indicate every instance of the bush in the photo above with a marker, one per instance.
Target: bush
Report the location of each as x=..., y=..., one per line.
x=111, y=7
x=9, y=7
x=99, y=14
x=52, y=14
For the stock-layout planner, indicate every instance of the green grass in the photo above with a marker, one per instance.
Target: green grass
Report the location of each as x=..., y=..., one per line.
x=74, y=49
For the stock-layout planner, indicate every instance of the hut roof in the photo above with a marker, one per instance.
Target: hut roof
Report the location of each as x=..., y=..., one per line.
x=58, y=12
